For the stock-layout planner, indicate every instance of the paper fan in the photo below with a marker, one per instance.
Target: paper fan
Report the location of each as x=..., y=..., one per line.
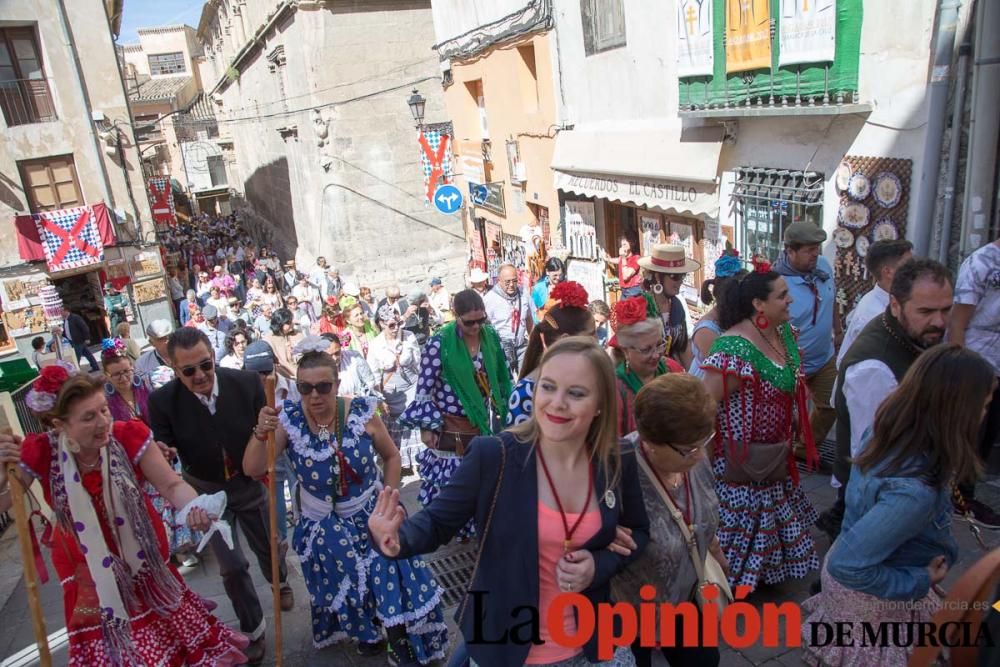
x=859, y=187
x=843, y=237
x=888, y=189
x=884, y=230
x=854, y=215
x=843, y=177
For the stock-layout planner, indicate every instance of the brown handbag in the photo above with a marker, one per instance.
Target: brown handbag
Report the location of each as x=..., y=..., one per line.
x=456, y=434
x=759, y=463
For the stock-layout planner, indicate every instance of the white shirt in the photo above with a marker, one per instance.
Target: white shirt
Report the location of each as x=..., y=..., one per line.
x=871, y=306
x=382, y=356
x=209, y=401
x=500, y=312
x=866, y=385
x=440, y=301
x=232, y=361
x=356, y=377
x=978, y=285
x=307, y=293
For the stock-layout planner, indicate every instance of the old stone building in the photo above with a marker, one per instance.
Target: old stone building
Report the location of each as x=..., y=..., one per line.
x=314, y=98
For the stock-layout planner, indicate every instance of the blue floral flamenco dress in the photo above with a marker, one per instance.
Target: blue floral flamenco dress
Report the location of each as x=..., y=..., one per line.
x=353, y=590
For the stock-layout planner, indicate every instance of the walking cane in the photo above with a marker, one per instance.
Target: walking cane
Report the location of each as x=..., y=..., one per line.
x=21, y=518
x=272, y=492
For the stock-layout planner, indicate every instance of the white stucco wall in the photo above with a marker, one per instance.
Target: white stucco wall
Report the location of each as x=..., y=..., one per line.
x=455, y=17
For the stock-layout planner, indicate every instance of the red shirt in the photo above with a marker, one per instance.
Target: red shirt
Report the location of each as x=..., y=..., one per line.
x=632, y=262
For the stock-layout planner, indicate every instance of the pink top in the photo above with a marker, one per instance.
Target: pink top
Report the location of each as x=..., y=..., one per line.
x=551, y=535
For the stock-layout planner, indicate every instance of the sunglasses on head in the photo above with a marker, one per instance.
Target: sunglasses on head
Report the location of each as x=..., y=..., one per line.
x=205, y=367
x=322, y=388
x=474, y=323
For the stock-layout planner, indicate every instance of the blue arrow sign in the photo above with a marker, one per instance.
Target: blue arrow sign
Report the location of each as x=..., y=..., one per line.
x=448, y=199
x=480, y=194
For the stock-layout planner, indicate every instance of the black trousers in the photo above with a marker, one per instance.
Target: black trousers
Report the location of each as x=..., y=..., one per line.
x=246, y=506
x=678, y=656
x=989, y=433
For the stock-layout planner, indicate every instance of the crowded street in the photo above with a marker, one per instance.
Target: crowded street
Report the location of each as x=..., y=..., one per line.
x=486, y=333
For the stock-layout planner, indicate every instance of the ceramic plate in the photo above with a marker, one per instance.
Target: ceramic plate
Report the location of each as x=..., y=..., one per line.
x=859, y=187
x=888, y=189
x=843, y=237
x=843, y=177
x=854, y=215
x=884, y=230
x=861, y=246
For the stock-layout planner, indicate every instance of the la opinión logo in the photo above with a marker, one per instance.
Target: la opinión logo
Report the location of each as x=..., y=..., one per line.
x=739, y=624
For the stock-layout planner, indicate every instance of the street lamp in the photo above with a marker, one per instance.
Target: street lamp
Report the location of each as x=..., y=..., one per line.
x=417, y=104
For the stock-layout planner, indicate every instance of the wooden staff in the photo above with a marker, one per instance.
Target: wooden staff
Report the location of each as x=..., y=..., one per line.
x=21, y=518
x=272, y=492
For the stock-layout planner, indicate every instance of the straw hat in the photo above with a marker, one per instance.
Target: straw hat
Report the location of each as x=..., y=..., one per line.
x=478, y=276
x=667, y=258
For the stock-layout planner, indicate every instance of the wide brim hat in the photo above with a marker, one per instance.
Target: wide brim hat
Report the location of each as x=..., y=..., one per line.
x=668, y=258
x=478, y=276
x=350, y=289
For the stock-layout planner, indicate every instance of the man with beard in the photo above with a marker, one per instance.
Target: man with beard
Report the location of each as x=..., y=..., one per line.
x=920, y=300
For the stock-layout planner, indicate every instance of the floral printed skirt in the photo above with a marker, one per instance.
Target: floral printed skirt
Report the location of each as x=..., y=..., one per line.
x=435, y=471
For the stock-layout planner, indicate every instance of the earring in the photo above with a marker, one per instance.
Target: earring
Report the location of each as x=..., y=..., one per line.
x=761, y=321
x=136, y=381
x=109, y=388
x=657, y=288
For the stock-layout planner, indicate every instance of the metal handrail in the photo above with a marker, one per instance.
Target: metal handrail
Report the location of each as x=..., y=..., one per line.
x=25, y=101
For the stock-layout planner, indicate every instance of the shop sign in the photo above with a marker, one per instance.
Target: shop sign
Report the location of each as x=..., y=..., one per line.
x=654, y=193
x=151, y=290
x=494, y=199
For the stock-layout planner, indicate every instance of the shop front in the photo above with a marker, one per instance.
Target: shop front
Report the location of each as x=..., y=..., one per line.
x=653, y=185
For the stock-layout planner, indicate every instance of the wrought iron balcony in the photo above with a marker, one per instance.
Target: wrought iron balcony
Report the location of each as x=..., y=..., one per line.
x=25, y=101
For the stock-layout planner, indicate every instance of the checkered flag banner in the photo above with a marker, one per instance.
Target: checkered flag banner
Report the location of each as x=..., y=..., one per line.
x=435, y=160
x=161, y=198
x=70, y=238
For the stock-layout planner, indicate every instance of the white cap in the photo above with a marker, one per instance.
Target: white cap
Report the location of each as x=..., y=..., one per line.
x=477, y=275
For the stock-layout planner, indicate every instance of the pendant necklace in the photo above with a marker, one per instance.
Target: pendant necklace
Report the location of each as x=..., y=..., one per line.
x=568, y=531
x=686, y=513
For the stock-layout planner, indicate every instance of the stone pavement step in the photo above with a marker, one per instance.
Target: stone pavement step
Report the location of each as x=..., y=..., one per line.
x=16, y=634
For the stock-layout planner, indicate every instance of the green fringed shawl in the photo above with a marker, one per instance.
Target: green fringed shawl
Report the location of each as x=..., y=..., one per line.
x=459, y=372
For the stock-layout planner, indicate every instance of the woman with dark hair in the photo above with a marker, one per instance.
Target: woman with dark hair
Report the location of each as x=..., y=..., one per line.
x=332, y=443
x=639, y=350
x=548, y=495
x=754, y=371
x=236, y=346
x=564, y=314
x=124, y=602
x=555, y=273
x=707, y=329
x=896, y=543
x=128, y=396
x=663, y=274
x=462, y=393
x=626, y=265
x=283, y=340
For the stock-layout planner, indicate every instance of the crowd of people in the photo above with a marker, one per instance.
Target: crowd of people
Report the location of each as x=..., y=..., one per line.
x=587, y=448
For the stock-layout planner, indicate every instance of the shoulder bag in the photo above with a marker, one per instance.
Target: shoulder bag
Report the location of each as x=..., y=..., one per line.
x=709, y=571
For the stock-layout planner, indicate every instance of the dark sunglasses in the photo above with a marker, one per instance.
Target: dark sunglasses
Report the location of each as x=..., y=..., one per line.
x=475, y=323
x=676, y=276
x=391, y=325
x=205, y=367
x=322, y=388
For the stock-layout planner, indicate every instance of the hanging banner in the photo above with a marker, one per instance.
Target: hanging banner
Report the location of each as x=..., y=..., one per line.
x=477, y=257
x=695, y=45
x=161, y=199
x=435, y=160
x=807, y=31
x=70, y=238
x=748, y=35
x=492, y=232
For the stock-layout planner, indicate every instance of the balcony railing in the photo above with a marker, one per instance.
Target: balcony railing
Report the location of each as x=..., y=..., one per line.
x=26, y=101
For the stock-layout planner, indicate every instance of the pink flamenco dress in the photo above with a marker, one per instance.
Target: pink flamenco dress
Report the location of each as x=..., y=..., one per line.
x=135, y=609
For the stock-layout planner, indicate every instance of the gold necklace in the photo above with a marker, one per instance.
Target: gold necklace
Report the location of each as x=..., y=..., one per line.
x=89, y=466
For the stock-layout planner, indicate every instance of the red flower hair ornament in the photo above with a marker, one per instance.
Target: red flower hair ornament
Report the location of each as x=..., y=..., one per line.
x=45, y=388
x=567, y=294
x=761, y=265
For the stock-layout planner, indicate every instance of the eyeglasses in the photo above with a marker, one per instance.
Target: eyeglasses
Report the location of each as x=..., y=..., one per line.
x=690, y=452
x=204, y=366
x=392, y=325
x=659, y=348
x=474, y=323
x=322, y=388
x=676, y=276
x=509, y=281
x=120, y=375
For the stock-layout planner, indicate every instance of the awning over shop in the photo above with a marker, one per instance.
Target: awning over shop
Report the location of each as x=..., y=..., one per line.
x=659, y=165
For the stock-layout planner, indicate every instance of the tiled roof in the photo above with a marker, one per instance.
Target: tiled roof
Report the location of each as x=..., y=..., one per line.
x=162, y=88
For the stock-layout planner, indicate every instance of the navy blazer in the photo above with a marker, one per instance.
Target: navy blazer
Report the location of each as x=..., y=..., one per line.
x=508, y=568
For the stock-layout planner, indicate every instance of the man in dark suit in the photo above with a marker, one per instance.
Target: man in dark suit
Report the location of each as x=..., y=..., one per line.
x=208, y=415
x=79, y=335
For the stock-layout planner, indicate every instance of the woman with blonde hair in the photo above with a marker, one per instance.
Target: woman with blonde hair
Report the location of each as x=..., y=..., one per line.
x=132, y=349
x=564, y=477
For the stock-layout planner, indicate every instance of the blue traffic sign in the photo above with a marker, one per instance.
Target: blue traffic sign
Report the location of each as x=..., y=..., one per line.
x=447, y=199
x=480, y=193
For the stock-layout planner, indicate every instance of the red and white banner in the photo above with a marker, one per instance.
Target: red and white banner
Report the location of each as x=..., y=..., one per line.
x=161, y=199
x=435, y=160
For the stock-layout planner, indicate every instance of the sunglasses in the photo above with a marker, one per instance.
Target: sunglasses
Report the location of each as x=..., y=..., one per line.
x=474, y=323
x=689, y=452
x=204, y=366
x=676, y=276
x=392, y=325
x=322, y=388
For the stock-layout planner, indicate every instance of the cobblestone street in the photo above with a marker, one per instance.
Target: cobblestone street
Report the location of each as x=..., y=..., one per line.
x=452, y=566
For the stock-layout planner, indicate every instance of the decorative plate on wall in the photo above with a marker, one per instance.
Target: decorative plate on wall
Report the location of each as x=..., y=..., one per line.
x=854, y=215
x=861, y=246
x=843, y=177
x=859, y=187
x=884, y=230
x=843, y=237
x=888, y=189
